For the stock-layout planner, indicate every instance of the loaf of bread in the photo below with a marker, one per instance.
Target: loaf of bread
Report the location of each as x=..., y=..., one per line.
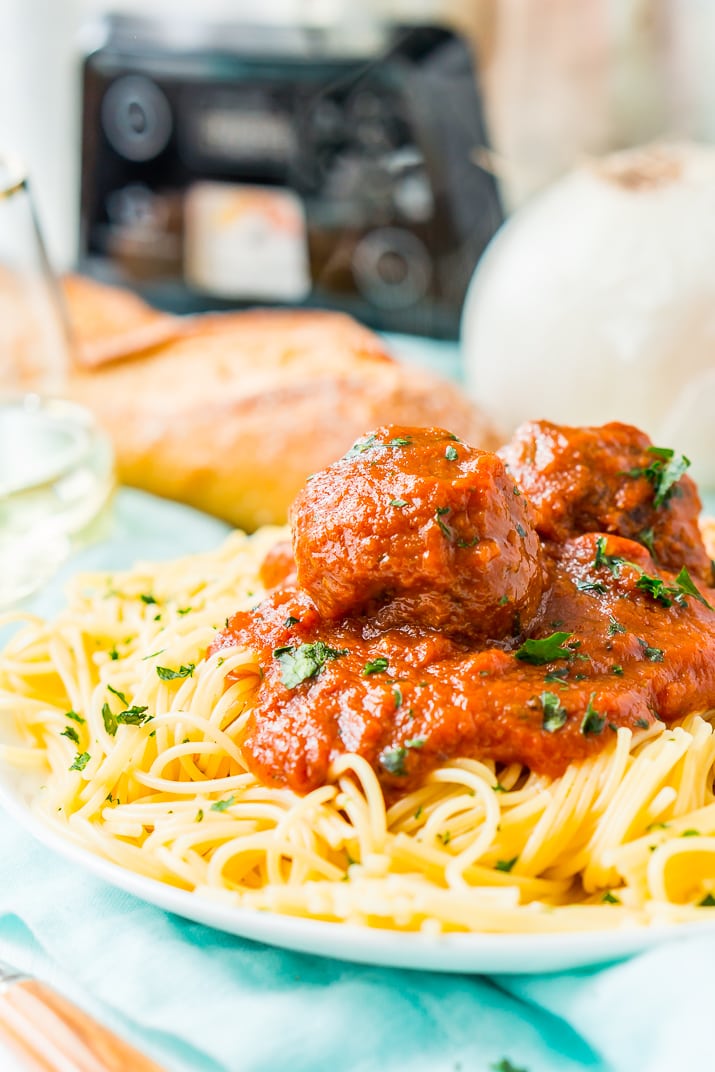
x=231, y=412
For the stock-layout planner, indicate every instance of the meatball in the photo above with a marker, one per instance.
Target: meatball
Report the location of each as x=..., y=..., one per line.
x=610, y=479
x=420, y=530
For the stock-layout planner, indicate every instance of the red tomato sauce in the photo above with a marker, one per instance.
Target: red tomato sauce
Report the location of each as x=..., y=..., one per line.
x=450, y=602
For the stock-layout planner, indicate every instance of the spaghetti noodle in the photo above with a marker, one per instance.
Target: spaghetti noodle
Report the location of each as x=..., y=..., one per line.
x=138, y=733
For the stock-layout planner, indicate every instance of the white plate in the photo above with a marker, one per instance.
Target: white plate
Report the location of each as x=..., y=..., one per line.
x=489, y=953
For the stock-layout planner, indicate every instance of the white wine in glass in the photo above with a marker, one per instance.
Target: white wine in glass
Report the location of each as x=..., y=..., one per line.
x=56, y=467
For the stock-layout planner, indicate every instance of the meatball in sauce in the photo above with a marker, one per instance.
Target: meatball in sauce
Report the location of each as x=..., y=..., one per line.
x=443, y=601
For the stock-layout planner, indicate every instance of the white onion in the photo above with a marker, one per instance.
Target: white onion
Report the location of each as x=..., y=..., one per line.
x=596, y=302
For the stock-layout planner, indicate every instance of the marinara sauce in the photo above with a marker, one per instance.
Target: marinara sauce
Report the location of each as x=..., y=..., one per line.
x=443, y=601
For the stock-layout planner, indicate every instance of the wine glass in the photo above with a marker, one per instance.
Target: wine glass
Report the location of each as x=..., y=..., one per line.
x=56, y=467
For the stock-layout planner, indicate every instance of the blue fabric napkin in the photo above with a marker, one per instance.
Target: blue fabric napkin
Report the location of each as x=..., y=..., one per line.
x=201, y=1001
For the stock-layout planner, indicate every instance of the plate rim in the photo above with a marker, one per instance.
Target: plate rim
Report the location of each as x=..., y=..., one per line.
x=471, y=953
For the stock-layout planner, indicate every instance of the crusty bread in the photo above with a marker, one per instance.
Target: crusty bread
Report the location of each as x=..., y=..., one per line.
x=110, y=323
x=231, y=412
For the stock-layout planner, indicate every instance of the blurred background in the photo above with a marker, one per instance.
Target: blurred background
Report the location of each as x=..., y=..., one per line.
x=559, y=78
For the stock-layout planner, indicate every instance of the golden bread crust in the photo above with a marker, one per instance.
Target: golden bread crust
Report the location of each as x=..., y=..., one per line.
x=235, y=410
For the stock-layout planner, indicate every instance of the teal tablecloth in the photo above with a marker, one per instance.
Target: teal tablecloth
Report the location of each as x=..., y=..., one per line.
x=201, y=1001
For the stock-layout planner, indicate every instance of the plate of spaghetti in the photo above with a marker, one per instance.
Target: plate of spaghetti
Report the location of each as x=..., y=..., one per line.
x=457, y=716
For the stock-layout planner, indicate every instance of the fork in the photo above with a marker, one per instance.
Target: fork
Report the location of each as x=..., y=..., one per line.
x=51, y=1034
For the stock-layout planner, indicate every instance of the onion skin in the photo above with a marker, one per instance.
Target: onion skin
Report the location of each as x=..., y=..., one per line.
x=596, y=302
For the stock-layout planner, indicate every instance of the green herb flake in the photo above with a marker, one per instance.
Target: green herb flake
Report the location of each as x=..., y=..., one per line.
x=376, y=666
x=109, y=719
x=223, y=805
x=592, y=722
x=184, y=610
x=118, y=694
x=415, y=742
x=401, y=441
x=199, y=816
x=690, y=833
x=708, y=901
x=300, y=663
x=75, y=717
x=398, y=503
x=686, y=587
x=359, y=447
x=506, y=1065
x=520, y=530
x=506, y=865
x=71, y=734
x=166, y=674
x=418, y=813
x=610, y=898
x=503, y=601
x=153, y=654
x=545, y=650
x=655, y=655
x=555, y=715
x=147, y=598
x=113, y=654
x=591, y=586
x=663, y=472
x=647, y=538
x=80, y=761
x=291, y=621
x=451, y=454
x=393, y=761
x=615, y=627
x=617, y=670
x=134, y=716
x=558, y=675
x=611, y=562
x=397, y=693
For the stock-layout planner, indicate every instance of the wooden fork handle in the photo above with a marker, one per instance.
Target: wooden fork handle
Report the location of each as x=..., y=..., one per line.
x=51, y=1034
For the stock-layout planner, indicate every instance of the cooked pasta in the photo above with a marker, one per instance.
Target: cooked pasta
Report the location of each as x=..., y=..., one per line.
x=138, y=732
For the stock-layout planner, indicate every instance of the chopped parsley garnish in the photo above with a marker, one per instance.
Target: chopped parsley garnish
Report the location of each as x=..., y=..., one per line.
x=376, y=666
x=184, y=610
x=610, y=898
x=663, y=472
x=291, y=620
x=166, y=674
x=415, y=742
x=617, y=670
x=690, y=833
x=592, y=722
x=75, y=717
x=555, y=715
x=445, y=838
x=80, y=761
x=114, y=654
x=418, y=813
x=223, y=805
x=119, y=695
x=505, y=1065
x=393, y=760
x=546, y=650
x=398, y=503
x=558, y=675
x=199, y=816
x=147, y=598
x=504, y=600
x=451, y=454
x=153, y=654
x=71, y=734
x=615, y=627
x=708, y=901
x=655, y=655
x=612, y=562
x=397, y=693
x=305, y=661
x=506, y=865
x=520, y=530
x=687, y=588
x=647, y=538
x=401, y=441
x=134, y=716
x=444, y=528
x=361, y=446
x=591, y=586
